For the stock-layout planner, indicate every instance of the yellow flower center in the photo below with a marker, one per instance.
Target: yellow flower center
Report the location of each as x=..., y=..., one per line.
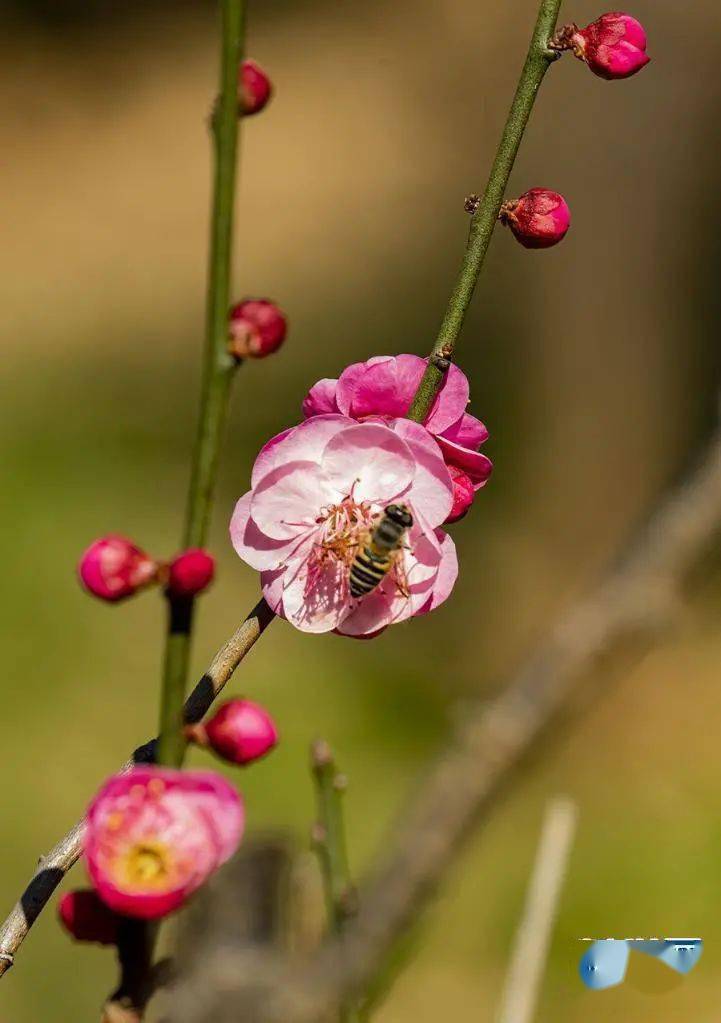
x=146, y=865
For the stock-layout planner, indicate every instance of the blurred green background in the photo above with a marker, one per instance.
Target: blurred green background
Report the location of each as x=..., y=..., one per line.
x=595, y=366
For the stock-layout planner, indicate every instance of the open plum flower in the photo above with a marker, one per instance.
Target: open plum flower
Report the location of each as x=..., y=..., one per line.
x=154, y=835
x=316, y=491
x=384, y=386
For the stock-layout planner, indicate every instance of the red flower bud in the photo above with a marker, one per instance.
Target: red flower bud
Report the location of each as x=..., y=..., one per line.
x=254, y=88
x=463, y=493
x=613, y=46
x=190, y=573
x=86, y=917
x=257, y=328
x=240, y=731
x=538, y=219
x=113, y=568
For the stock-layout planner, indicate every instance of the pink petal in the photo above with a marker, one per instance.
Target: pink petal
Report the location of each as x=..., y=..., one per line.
x=222, y=808
x=451, y=402
x=371, y=614
x=350, y=379
x=322, y=607
x=386, y=386
x=468, y=432
x=271, y=583
x=432, y=488
x=288, y=499
x=256, y=549
x=478, y=466
x=320, y=399
x=370, y=461
x=304, y=443
x=446, y=576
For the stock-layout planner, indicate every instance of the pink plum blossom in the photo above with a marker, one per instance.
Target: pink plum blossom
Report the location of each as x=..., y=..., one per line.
x=613, y=46
x=539, y=218
x=190, y=572
x=384, y=387
x=254, y=88
x=240, y=731
x=86, y=917
x=154, y=835
x=113, y=568
x=316, y=491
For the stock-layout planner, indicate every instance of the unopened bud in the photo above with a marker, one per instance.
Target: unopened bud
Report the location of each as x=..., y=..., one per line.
x=257, y=328
x=240, y=731
x=538, y=219
x=463, y=493
x=613, y=46
x=86, y=917
x=254, y=88
x=113, y=568
x=190, y=573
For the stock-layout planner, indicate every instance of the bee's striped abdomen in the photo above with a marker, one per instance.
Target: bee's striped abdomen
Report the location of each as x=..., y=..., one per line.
x=376, y=556
x=367, y=571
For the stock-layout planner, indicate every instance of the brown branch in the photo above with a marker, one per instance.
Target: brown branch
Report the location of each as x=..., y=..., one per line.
x=53, y=867
x=636, y=601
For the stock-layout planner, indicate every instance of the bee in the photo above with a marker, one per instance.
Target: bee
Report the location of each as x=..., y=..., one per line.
x=378, y=551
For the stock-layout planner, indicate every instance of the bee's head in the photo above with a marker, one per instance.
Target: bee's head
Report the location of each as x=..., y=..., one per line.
x=400, y=514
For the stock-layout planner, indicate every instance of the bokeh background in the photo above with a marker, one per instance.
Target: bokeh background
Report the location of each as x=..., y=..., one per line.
x=595, y=366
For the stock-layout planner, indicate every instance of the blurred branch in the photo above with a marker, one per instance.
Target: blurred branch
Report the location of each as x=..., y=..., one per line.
x=329, y=837
x=636, y=601
x=533, y=937
x=53, y=867
x=329, y=841
x=218, y=369
x=485, y=217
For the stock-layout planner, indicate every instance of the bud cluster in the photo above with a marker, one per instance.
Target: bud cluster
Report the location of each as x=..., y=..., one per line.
x=113, y=568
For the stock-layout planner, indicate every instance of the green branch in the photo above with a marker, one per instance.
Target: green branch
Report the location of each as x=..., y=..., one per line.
x=218, y=369
x=329, y=842
x=484, y=219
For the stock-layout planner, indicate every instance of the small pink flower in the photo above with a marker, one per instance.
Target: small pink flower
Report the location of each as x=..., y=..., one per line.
x=86, y=918
x=154, y=835
x=113, y=568
x=463, y=493
x=317, y=490
x=613, y=46
x=539, y=218
x=240, y=731
x=384, y=387
x=254, y=88
x=257, y=328
x=190, y=573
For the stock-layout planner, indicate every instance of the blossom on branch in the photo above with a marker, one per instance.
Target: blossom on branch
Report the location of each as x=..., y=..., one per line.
x=113, y=568
x=385, y=386
x=86, y=917
x=154, y=835
x=240, y=732
x=317, y=491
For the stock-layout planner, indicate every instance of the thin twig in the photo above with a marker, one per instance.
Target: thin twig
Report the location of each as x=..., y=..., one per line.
x=53, y=867
x=329, y=838
x=218, y=368
x=533, y=937
x=484, y=219
x=329, y=841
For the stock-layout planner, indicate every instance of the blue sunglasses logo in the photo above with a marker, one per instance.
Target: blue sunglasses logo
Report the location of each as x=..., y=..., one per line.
x=604, y=963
